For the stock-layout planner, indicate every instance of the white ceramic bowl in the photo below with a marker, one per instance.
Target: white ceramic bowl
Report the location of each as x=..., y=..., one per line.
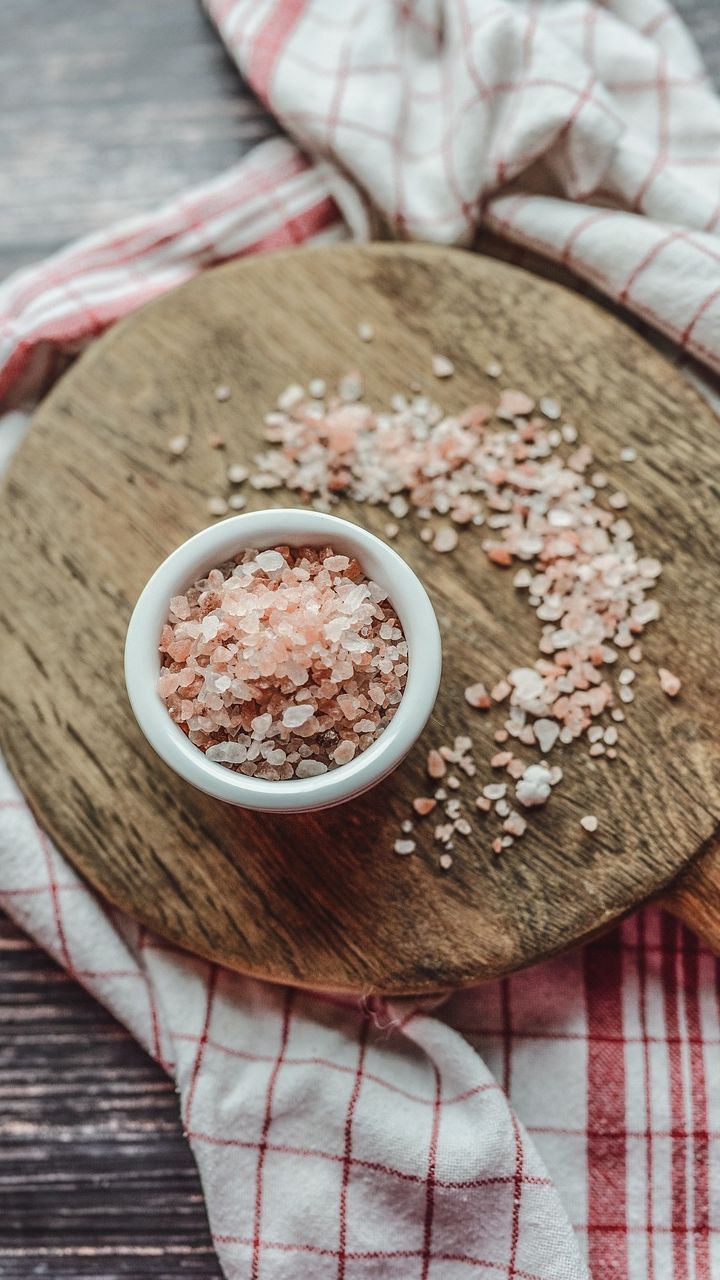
x=261, y=529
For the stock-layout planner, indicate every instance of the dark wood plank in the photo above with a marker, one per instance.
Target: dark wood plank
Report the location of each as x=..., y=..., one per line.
x=108, y=110
x=95, y=1175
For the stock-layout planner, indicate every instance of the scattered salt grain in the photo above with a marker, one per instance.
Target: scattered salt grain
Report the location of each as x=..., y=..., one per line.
x=589, y=822
x=365, y=331
x=237, y=473
x=442, y=367
x=237, y=501
x=404, y=847
x=494, y=369
x=424, y=805
x=291, y=397
x=533, y=788
x=178, y=444
x=446, y=539
x=217, y=506
x=669, y=683
x=628, y=455
x=222, y=393
x=435, y=764
x=550, y=408
x=476, y=695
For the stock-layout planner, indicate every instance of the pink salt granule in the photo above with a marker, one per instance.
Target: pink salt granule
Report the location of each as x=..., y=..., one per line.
x=669, y=682
x=283, y=663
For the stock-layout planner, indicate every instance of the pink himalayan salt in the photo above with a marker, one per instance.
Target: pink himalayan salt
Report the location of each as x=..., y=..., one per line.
x=515, y=404
x=669, y=683
x=435, y=764
x=476, y=695
x=584, y=577
x=283, y=663
x=424, y=805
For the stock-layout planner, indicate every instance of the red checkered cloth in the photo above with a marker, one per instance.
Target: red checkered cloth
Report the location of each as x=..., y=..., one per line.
x=354, y=1141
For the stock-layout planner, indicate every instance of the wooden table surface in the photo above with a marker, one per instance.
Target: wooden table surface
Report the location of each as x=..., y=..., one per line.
x=108, y=110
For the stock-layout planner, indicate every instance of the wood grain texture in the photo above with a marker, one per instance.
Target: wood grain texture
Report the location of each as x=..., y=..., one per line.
x=109, y=110
x=321, y=900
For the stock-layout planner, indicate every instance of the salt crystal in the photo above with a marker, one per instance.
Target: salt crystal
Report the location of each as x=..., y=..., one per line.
x=494, y=790
x=317, y=388
x=618, y=501
x=669, y=683
x=589, y=822
x=222, y=393
x=237, y=502
x=178, y=444
x=217, y=506
x=494, y=369
x=291, y=397
x=477, y=696
x=445, y=861
x=546, y=732
x=442, y=367
x=628, y=454
x=424, y=805
x=237, y=473
x=365, y=331
x=515, y=824
x=435, y=764
x=294, y=715
x=515, y=404
x=550, y=408
x=533, y=788
x=310, y=769
x=270, y=561
x=391, y=530
x=404, y=846
x=445, y=539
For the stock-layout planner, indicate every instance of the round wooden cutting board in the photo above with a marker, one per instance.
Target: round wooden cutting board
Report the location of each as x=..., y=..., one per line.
x=94, y=502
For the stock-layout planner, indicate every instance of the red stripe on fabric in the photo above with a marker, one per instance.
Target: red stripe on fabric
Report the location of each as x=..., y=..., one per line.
x=55, y=899
x=712, y=297
x=347, y=1152
x=647, y=1091
x=267, y=44
x=506, y=1034
x=504, y=225
x=373, y=1166
x=372, y=1255
x=517, y=1198
x=316, y=1061
x=678, y=1174
x=202, y=1043
x=257, y=1241
x=606, y=1115
x=701, y=1169
x=663, y=133
x=431, y=1177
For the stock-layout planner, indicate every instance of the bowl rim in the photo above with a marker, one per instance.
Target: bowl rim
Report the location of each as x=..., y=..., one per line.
x=276, y=526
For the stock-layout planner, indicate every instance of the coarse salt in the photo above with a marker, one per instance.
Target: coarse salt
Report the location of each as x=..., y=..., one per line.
x=283, y=663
